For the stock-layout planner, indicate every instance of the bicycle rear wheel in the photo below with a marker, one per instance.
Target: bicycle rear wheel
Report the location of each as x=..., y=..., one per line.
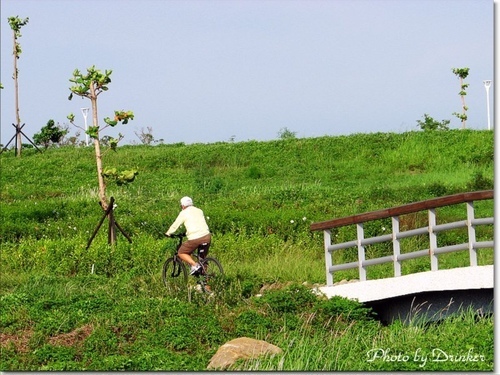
x=212, y=276
x=174, y=275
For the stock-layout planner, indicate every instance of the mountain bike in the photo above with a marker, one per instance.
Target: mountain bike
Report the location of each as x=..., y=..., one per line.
x=208, y=279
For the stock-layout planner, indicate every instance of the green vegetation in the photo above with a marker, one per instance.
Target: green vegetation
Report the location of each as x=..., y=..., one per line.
x=90, y=86
x=50, y=134
x=260, y=199
x=430, y=124
x=462, y=74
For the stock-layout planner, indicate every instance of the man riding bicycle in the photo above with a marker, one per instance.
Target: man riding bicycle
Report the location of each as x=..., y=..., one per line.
x=197, y=232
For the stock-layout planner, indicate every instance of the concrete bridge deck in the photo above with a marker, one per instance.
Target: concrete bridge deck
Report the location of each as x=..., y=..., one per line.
x=435, y=293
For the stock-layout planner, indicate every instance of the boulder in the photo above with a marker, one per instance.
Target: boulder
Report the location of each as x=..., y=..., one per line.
x=240, y=348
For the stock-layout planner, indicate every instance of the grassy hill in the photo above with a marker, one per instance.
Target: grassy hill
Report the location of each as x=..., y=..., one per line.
x=260, y=199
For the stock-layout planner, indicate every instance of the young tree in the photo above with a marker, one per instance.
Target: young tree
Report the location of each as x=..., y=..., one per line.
x=73, y=140
x=91, y=85
x=462, y=74
x=49, y=134
x=15, y=24
x=285, y=133
x=430, y=124
x=146, y=137
x=70, y=139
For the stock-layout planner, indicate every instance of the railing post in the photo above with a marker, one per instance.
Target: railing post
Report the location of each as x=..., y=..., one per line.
x=471, y=229
x=361, y=252
x=396, y=249
x=433, y=240
x=327, y=238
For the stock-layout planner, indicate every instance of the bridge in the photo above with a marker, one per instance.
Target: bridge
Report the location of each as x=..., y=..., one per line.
x=429, y=294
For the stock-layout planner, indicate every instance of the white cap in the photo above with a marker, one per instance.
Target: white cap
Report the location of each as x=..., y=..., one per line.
x=186, y=201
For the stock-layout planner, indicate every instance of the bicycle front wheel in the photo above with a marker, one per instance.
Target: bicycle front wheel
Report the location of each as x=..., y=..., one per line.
x=174, y=275
x=212, y=276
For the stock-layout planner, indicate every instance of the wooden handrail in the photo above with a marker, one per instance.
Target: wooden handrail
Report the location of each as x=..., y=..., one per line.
x=405, y=209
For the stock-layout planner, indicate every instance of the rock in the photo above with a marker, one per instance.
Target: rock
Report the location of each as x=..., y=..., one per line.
x=240, y=348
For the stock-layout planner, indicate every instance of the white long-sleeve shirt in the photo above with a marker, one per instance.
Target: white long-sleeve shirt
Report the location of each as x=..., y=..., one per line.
x=194, y=222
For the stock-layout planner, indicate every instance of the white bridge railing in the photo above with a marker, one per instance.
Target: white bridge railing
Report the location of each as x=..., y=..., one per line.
x=396, y=236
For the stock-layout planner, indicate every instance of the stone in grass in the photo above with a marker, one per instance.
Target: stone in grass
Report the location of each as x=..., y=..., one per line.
x=240, y=348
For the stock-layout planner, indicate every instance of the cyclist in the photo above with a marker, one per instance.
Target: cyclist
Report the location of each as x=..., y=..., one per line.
x=197, y=232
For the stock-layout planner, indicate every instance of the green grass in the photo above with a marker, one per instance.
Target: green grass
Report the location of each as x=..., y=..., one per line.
x=130, y=324
x=368, y=347
x=260, y=198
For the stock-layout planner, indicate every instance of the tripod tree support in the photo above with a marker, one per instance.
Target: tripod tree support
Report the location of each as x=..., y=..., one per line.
x=112, y=225
x=18, y=134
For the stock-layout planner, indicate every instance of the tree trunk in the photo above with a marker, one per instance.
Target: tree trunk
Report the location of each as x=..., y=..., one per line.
x=98, y=155
x=100, y=178
x=463, y=102
x=16, y=89
x=102, y=184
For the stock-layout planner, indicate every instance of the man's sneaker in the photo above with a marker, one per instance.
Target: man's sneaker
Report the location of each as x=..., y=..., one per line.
x=195, y=269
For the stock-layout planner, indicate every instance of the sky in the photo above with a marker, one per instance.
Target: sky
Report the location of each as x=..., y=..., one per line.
x=205, y=71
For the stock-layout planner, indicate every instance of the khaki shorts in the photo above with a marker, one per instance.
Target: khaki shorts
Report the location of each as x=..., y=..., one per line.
x=190, y=246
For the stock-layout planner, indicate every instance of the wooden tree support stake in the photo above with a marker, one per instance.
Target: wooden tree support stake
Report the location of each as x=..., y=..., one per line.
x=112, y=225
x=19, y=131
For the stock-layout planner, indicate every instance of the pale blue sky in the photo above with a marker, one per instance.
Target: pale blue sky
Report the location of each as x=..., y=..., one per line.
x=211, y=70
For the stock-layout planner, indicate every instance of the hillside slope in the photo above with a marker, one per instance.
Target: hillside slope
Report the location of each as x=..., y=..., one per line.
x=254, y=186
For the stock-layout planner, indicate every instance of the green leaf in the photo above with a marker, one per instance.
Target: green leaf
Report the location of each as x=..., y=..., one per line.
x=110, y=122
x=93, y=132
x=109, y=172
x=113, y=143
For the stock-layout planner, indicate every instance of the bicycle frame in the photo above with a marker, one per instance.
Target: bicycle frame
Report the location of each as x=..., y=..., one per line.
x=178, y=266
x=197, y=251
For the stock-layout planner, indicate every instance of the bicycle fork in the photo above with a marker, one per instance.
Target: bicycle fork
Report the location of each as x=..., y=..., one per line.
x=177, y=267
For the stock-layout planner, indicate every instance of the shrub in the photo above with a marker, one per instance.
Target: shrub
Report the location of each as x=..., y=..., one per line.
x=480, y=182
x=430, y=124
x=293, y=298
x=254, y=172
x=252, y=323
x=437, y=189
